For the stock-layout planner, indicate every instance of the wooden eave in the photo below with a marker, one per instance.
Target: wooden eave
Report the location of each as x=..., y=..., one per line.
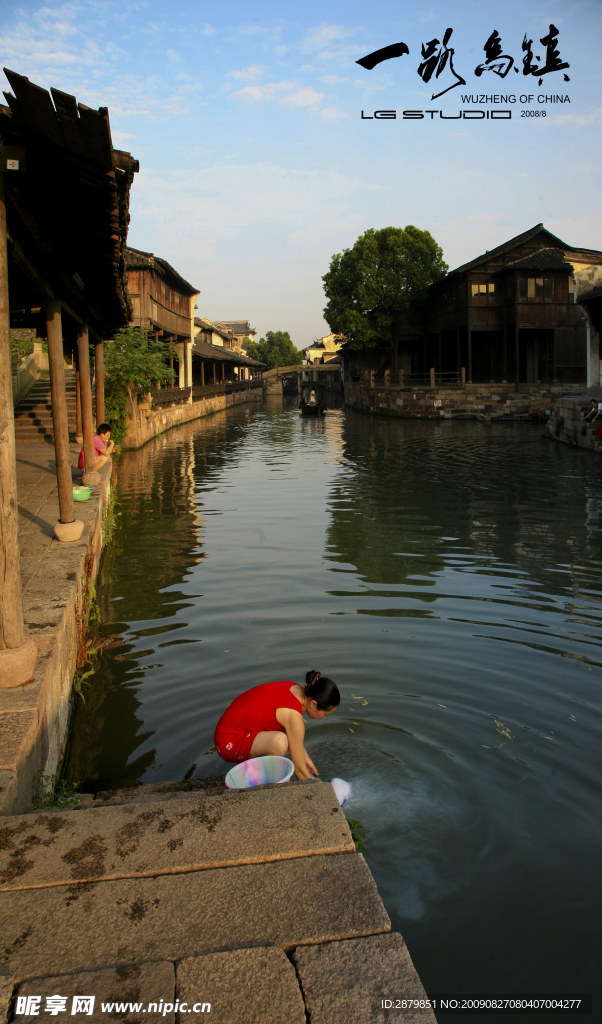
x=68, y=211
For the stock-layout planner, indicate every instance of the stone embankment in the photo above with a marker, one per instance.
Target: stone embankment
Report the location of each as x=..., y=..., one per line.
x=149, y=420
x=457, y=401
x=251, y=907
x=566, y=422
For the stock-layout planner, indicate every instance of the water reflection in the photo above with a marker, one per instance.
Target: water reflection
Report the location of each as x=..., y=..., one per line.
x=449, y=577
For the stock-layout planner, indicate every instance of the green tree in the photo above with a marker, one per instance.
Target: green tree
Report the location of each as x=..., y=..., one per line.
x=371, y=287
x=134, y=362
x=276, y=349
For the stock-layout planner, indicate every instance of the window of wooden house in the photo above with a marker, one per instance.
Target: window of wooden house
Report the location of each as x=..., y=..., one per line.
x=536, y=289
x=483, y=289
x=571, y=285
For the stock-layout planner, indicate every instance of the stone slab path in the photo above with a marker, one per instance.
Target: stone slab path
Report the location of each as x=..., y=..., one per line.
x=251, y=907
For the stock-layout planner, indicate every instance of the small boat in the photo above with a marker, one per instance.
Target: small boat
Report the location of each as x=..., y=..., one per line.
x=311, y=410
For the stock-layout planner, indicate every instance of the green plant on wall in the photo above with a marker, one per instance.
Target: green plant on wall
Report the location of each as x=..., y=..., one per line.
x=358, y=834
x=85, y=613
x=135, y=362
x=109, y=518
x=49, y=792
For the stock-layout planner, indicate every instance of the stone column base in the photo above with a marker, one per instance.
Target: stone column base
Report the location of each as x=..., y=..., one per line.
x=69, y=532
x=91, y=479
x=17, y=664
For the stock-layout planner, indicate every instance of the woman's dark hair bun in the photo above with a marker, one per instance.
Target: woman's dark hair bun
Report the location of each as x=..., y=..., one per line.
x=323, y=690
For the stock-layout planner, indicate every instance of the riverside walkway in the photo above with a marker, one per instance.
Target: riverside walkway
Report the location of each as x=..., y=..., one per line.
x=250, y=907
x=34, y=717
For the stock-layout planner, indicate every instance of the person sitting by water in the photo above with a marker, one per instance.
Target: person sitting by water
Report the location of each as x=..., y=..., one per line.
x=268, y=719
x=596, y=407
x=103, y=448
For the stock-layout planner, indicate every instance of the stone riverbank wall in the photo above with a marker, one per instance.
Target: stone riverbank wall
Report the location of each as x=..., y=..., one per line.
x=148, y=421
x=457, y=401
x=566, y=422
x=34, y=718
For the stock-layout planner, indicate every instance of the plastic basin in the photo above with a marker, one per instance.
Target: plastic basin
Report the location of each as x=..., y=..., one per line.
x=260, y=770
x=81, y=493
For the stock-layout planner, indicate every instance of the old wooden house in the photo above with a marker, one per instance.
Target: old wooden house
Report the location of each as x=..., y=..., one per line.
x=512, y=314
x=163, y=302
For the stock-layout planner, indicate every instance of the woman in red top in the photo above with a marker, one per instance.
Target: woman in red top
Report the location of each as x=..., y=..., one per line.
x=268, y=719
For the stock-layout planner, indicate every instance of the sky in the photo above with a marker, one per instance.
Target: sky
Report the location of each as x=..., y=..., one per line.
x=256, y=165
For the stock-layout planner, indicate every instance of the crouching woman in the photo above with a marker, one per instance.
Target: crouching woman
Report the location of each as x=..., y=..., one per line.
x=268, y=719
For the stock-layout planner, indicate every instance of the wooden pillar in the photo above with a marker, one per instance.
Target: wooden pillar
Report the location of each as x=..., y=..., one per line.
x=440, y=367
x=68, y=528
x=505, y=355
x=469, y=355
x=202, y=373
x=99, y=374
x=432, y=376
x=90, y=477
x=17, y=656
x=458, y=355
x=78, y=402
x=516, y=353
x=402, y=378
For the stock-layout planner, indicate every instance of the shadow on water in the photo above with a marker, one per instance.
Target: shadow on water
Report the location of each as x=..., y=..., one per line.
x=449, y=576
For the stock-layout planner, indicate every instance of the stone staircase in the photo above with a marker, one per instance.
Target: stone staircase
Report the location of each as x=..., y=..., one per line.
x=33, y=414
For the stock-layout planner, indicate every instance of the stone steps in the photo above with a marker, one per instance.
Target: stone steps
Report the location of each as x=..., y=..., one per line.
x=253, y=901
x=33, y=414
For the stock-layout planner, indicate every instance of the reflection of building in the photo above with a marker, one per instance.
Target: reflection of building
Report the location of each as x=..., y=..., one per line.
x=323, y=349
x=240, y=330
x=511, y=314
x=164, y=302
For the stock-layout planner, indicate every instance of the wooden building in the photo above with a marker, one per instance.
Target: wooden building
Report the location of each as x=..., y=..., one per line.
x=163, y=301
x=214, y=364
x=512, y=314
x=241, y=332
x=214, y=334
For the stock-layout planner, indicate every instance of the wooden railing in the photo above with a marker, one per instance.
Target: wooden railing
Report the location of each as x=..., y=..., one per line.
x=165, y=395
x=204, y=391
x=408, y=380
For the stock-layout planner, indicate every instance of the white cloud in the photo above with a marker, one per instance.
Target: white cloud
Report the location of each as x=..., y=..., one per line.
x=304, y=97
x=269, y=91
x=250, y=74
x=323, y=35
x=173, y=56
x=332, y=79
x=207, y=30
x=576, y=120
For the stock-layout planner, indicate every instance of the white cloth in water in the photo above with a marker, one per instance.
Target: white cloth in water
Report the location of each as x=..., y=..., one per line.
x=342, y=790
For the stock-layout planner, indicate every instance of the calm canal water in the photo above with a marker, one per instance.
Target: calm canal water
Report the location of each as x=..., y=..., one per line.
x=450, y=575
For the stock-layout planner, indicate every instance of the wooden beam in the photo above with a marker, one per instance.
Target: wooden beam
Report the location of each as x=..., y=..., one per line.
x=12, y=632
x=54, y=334
x=99, y=374
x=90, y=477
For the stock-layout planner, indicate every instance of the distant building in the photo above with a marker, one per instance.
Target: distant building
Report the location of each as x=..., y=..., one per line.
x=323, y=349
x=241, y=332
x=163, y=301
x=214, y=334
x=512, y=314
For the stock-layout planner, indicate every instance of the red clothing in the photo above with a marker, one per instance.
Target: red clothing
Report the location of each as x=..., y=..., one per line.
x=99, y=449
x=252, y=712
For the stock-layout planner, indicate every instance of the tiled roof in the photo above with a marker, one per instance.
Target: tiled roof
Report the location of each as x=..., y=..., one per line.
x=542, y=259
x=236, y=326
x=222, y=355
x=589, y=296
x=207, y=325
x=136, y=259
x=526, y=236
